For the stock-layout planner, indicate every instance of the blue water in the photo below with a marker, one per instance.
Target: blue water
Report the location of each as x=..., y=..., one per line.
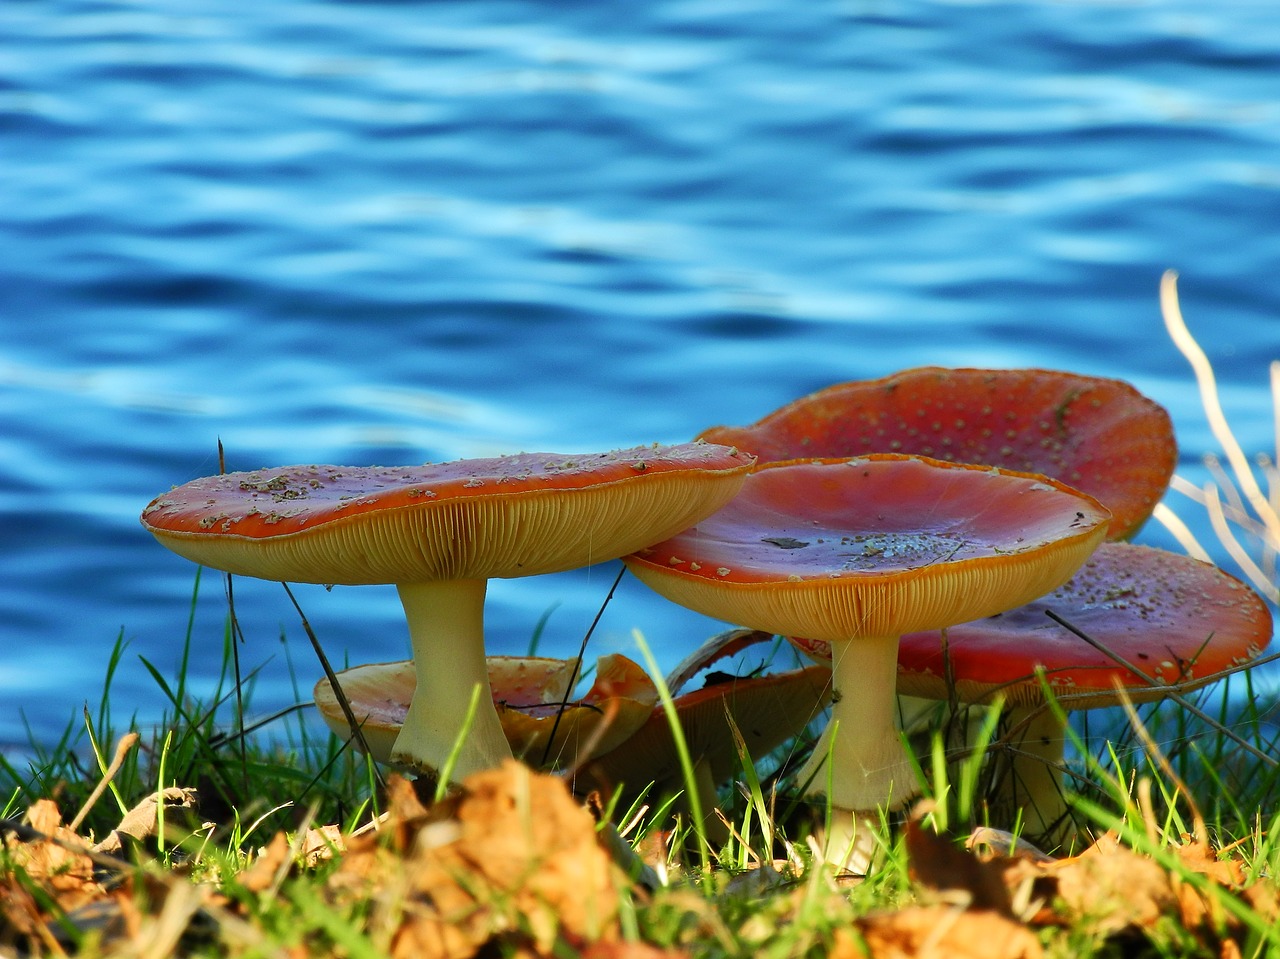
x=392, y=232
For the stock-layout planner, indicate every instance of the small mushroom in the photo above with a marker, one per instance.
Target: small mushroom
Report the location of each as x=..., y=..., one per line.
x=439, y=532
x=616, y=735
x=1163, y=619
x=1098, y=435
x=528, y=692
x=857, y=552
x=765, y=710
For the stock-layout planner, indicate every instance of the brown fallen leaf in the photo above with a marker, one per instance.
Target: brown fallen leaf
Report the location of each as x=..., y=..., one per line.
x=1108, y=886
x=511, y=859
x=629, y=950
x=320, y=844
x=53, y=858
x=936, y=932
x=936, y=863
x=141, y=822
x=272, y=858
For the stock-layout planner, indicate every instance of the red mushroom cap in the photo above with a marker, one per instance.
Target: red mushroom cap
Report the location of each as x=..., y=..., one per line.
x=1100, y=436
x=1176, y=619
x=875, y=546
x=469, y=519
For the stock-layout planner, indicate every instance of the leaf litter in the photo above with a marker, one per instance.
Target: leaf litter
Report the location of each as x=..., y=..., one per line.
x=512, y=864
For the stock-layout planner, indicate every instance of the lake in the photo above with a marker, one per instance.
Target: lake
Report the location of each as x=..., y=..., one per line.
x=380, y=233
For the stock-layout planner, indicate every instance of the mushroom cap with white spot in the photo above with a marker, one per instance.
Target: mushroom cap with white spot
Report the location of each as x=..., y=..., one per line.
x=875, y=546
x=505, y=516
x=1097, y=435
x=1175, y=619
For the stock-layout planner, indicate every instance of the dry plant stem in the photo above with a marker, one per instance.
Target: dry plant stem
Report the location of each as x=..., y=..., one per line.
x=1181, y=532
x=127, y=742
x=1222, y=528
x=446, y=632
x=870, y=765
x=1203, y=370
x=1155, y=752
x=1169, y=691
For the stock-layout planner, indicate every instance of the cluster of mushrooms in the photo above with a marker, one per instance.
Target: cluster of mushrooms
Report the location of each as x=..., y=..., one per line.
x=909, y=531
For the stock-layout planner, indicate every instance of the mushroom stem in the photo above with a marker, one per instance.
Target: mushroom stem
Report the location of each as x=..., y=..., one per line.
x=870, y=765
x=1032, y=780
x=446, y=632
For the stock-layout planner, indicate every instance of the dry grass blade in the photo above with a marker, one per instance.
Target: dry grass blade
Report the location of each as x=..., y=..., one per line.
x=356, y=731
x=1166, y=767
x=1235, y=498
x=1203, y=370
x=1168, y=691
x=127, y=742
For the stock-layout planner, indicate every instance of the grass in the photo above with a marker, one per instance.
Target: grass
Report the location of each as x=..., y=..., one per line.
x=1158, y=778
x=1185, y=867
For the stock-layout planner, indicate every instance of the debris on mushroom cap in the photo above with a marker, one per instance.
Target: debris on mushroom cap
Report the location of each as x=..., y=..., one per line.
x=1178, y=620
x=1098, y=435
x=468, y=519
x=876, y=545
x=528, y=692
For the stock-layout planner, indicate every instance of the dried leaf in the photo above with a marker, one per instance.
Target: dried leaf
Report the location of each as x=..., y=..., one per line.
x=937, y=932
x=513, y=855
x=1108, y=886
x=1114, y=888
x=261, y=875
x=629, y=950
x=52, y=860
x=993, y=842
x=936, y=863
x=320, y=844
x=141, y=821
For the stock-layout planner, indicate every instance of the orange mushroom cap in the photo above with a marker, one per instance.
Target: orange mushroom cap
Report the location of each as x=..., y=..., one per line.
x=857, y=552
x=468, y=519
x=1178, y=620
x=1098, y=435
x=439, y=532
x=877, y=545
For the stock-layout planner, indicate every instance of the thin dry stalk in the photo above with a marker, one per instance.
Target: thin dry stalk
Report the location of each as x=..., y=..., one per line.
x=1234, y=498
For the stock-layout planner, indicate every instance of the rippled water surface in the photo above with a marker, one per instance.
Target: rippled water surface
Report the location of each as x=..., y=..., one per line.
x=389, y=233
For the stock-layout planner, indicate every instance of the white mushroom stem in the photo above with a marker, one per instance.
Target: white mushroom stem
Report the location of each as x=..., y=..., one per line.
x=870, y=766
x=446, y=632
x=1033, y=780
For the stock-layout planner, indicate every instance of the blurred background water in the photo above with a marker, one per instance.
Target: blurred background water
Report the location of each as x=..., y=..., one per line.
x=388, y=232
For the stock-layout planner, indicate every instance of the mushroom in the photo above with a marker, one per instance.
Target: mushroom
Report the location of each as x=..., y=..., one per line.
x=528, y=692
x=620, y=734
x=765, y=710
x=1164, y=620
x=857, y=552
x=439, y=532
x=1098, y=435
